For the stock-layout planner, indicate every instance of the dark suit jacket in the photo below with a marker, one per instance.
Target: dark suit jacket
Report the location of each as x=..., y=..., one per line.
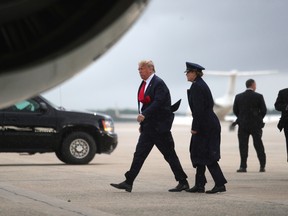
x=281, y=105
x=205, y=145
x=250, y=109
x=158, y=114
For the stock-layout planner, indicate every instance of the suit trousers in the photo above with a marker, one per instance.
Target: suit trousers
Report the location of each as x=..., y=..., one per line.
x=165, y=143
x=243, y=137
x=215, y=172
x=286, y=136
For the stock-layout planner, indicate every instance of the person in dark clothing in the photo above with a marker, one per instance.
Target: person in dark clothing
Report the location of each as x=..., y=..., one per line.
x=155, y=117
x=281, y=105
x=250, y=109
x=206, y=132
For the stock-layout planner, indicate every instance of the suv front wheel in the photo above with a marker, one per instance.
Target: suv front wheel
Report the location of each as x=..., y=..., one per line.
x=78, y=148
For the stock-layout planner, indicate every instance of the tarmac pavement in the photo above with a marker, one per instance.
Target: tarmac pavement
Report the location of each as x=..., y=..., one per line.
x=42, y=185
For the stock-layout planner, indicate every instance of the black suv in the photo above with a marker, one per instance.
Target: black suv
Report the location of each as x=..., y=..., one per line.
x=37, y=126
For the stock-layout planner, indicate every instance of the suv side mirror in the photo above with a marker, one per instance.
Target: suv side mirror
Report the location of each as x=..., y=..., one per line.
x=43, y=106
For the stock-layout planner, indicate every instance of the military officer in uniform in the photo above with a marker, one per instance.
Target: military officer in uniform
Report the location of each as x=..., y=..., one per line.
x=206, y=132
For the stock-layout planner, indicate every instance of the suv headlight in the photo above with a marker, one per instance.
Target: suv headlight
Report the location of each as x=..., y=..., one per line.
x=108, y=125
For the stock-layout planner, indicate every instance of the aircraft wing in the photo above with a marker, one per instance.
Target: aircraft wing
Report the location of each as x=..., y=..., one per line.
x=43, y=43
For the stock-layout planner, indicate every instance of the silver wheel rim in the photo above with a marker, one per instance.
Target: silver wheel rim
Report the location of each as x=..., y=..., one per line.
x=79, y=148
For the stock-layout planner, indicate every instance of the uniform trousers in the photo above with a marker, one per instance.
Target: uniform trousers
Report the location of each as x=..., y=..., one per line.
x=243, y=137
x=165, y=143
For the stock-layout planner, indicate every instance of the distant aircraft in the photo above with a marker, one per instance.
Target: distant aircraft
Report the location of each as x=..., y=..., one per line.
x=223, y=105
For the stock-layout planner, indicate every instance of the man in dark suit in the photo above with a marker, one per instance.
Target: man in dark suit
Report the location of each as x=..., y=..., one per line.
x=155, y=117
x=281, y=105
x=206, y=133
x=250, y=109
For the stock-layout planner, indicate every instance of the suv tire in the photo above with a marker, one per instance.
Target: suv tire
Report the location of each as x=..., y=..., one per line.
x=59, y=155
x=78, y=148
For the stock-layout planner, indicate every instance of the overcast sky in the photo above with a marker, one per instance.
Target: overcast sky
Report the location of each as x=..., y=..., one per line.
x=219, y=35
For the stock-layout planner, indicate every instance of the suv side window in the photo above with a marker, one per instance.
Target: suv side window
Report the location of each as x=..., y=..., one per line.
x=25, y=106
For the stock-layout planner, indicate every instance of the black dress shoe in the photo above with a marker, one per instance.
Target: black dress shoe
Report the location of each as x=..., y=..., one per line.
x=196, y=189
x=262, y=169
x=180, y=187
x=123, y=186
x=217, y=189
x=242, y=170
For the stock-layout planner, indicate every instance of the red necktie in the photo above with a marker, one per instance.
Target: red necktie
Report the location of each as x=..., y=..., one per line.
x=141, y=92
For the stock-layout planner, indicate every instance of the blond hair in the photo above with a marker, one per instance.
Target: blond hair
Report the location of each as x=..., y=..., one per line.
x=148, y=63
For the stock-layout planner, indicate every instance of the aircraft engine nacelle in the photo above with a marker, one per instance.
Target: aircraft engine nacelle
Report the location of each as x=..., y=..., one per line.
x=45, y=42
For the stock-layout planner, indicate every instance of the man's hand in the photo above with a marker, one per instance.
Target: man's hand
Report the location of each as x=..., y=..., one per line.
x=193, y=132
x=140, y=118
